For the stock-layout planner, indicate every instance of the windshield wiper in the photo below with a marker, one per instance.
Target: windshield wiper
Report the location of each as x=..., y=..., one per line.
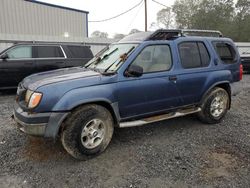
x=97, y=56
x=122, y=58
x=99, y=59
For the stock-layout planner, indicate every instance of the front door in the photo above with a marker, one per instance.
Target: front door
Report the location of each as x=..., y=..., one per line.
x=18, y=64
x=155, y=90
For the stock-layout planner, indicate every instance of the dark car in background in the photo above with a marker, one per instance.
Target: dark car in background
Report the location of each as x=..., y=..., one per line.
x=22, y=60
x=245, y=57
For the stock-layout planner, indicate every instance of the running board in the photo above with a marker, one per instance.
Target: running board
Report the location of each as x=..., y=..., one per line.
x=159, y=117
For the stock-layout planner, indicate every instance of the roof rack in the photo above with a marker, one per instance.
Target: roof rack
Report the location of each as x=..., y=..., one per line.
x=168, y=34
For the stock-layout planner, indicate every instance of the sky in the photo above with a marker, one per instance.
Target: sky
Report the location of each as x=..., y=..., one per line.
x=102, y=9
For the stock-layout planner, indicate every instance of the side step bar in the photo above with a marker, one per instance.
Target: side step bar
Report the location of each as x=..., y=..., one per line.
x=159, y=117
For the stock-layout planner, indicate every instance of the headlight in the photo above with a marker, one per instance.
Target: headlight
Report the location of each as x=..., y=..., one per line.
x=28, y=95
x=33, y=98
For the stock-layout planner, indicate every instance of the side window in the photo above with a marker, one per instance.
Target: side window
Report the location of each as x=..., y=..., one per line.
x=20, y=52
x=80, y=52
x=225, y=51
x=154, y=58
x=205, y=58
x=48, y=52
x=193, y=55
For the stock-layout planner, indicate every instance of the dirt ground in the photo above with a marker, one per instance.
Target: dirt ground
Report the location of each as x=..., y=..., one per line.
x=176, y=153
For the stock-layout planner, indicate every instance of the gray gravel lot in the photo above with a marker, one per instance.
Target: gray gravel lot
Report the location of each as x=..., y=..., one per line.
x=180, y=152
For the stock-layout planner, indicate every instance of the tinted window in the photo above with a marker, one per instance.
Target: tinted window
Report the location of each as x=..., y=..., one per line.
x=48, y=51
x=225, y=51
x=20, y=52
x=154, y=58
x=205, y=58
x=189, y=54
x=193, y=55
x=80, y=52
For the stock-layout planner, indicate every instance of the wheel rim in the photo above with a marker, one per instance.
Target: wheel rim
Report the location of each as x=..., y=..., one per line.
x=218, y=105
x=92, y=134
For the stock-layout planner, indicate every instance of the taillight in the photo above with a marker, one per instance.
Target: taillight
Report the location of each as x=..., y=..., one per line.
x=241, y=71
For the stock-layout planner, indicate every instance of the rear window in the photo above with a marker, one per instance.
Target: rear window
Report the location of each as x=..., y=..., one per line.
x=80, y=52
x=225, y=52
x=48, y=52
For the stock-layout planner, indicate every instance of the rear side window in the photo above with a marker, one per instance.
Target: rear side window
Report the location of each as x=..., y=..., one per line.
x=80, y=52
x=193, y=55
x=48, y=52
x=225, y=52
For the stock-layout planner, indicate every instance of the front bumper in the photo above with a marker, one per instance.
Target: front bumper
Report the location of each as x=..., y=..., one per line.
x=39, y=124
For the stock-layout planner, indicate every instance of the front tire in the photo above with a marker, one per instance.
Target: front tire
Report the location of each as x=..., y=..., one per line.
x=87, y=132
x=214, y=106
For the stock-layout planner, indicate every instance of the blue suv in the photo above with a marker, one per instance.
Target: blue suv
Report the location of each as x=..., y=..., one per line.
x=144, y=78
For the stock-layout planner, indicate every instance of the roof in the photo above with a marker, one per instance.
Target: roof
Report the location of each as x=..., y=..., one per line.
x=171, y=34
x=57, y=6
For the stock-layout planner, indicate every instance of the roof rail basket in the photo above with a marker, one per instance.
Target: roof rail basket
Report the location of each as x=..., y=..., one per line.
x=169, y=34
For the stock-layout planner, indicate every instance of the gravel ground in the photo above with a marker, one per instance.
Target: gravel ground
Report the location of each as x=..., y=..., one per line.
x=180, y=152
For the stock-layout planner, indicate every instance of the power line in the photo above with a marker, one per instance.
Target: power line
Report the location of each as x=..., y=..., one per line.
x=160, y=3
x=104, y=20
x=134, y=18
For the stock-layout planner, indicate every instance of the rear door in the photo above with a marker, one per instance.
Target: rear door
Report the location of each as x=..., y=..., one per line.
x=194, y=62
x=49, y=57
x=77, y=55
x=18, y=65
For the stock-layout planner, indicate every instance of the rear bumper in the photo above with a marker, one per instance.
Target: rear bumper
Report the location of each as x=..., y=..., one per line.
x=40, y=124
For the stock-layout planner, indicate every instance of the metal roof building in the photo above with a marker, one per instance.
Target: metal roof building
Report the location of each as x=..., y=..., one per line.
x=36, y=19
x=30, y=20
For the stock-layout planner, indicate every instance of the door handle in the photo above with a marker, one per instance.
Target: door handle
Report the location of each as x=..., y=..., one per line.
x=172, y=78
x=59, y=62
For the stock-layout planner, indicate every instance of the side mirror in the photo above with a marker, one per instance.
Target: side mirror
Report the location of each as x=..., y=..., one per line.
x=134, y=71
x=4, y=56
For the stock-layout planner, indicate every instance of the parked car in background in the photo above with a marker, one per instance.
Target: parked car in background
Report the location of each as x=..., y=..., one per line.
x=245, y=58
x=144, y=78
x=22, y=60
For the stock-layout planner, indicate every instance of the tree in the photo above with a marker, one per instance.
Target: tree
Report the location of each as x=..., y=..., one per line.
x=165, y=18
x=119, y=36
x=242, y=20
x=99, y=34
x=214, y=14
x=184, y=11
x=205, y=14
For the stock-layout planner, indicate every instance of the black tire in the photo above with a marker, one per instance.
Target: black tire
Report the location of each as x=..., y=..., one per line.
x=75, y=125
x=206, y=114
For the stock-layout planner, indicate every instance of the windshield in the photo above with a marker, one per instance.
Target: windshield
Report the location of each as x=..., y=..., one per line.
x=111, y=58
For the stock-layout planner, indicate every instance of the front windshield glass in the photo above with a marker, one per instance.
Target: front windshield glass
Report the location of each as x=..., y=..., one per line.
x=111, y=58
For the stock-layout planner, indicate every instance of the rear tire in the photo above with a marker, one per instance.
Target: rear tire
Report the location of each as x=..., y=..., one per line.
x=214, y=106
x=87, y=132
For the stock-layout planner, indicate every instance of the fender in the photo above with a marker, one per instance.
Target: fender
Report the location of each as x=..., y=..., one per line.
x=102, y=94
x=214, y=85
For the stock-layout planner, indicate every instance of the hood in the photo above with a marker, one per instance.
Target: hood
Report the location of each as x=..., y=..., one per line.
x=60, y=75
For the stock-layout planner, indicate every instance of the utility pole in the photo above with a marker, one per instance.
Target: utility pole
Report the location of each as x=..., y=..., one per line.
x=146, y=15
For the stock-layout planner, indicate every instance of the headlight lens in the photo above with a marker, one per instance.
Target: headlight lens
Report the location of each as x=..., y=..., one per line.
x=28, y=95
x=33, y=98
